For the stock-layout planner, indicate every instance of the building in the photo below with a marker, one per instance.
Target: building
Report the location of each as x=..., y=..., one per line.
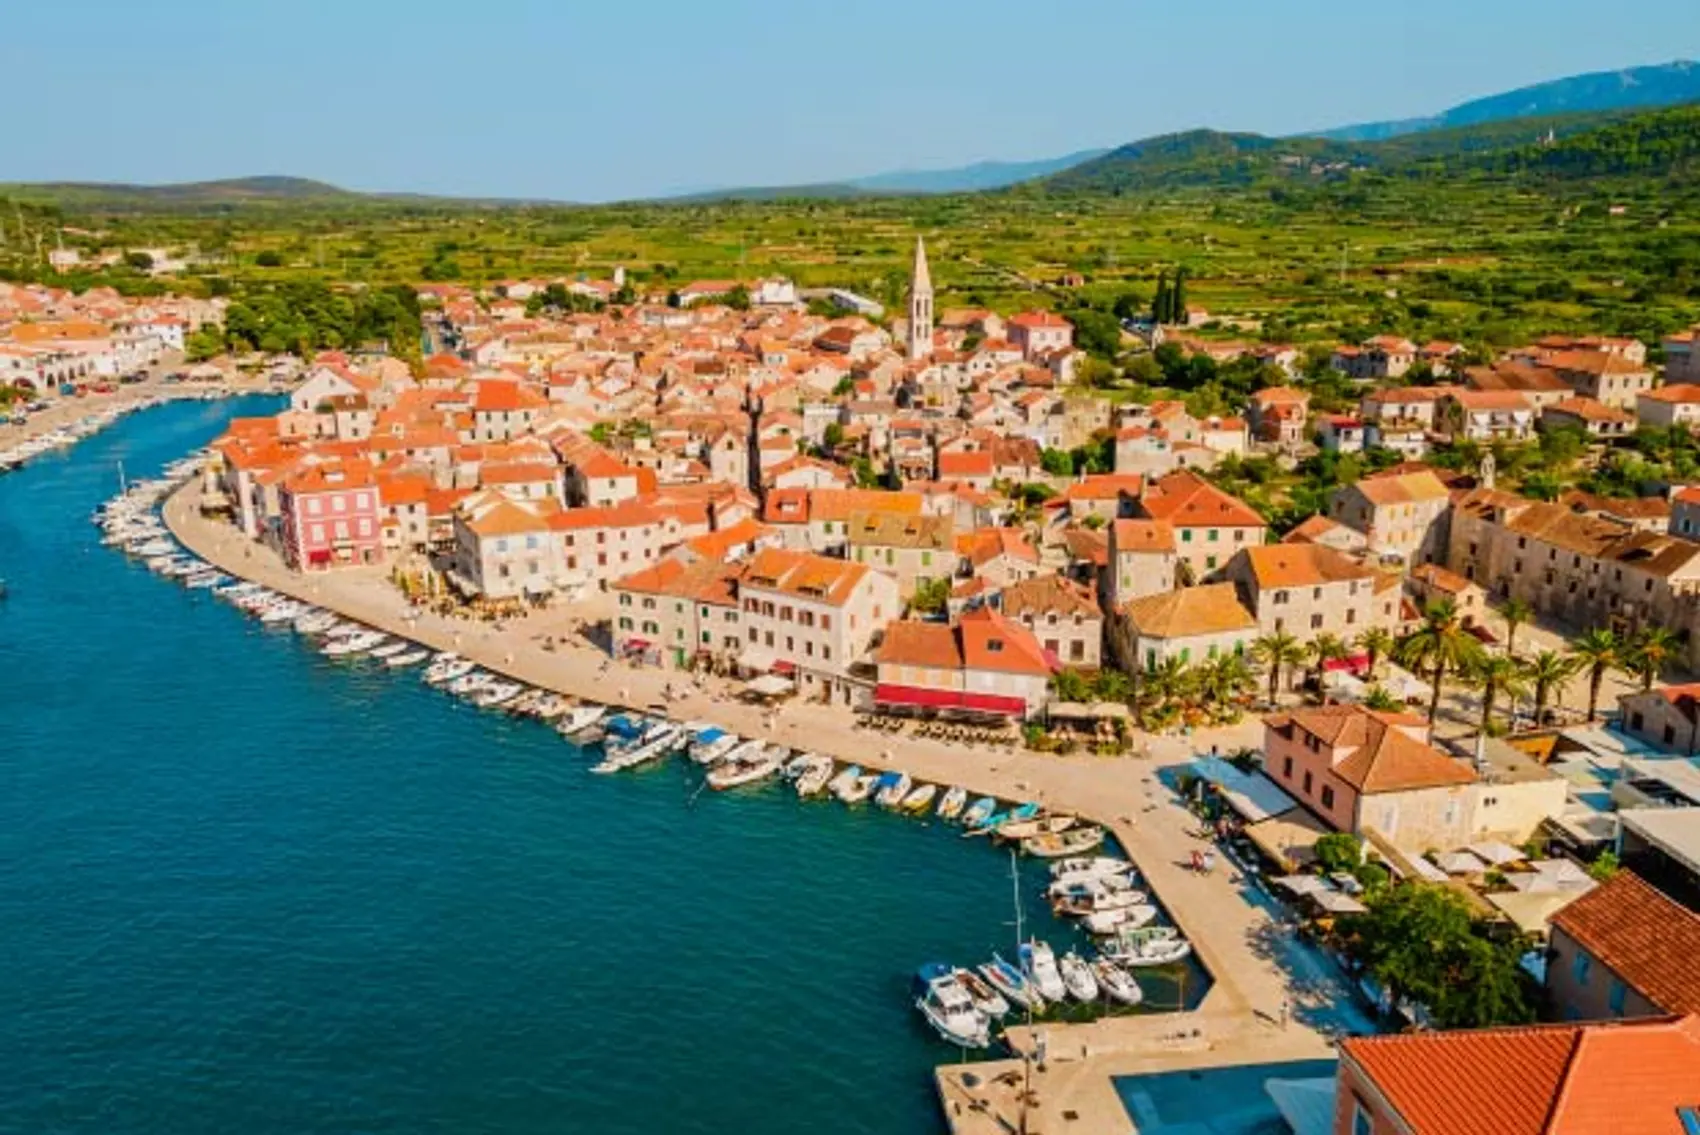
x=1665, y=716
x=1429, y=583
x=679, y=614
x=1402, y=515
x=1624, y=949
x=1040, y=333
x=506, y=548
x=812, y=618
x=920, y=305
x=1573, y=1079
x=1277, y=414
x=984, y=665
x=1487, y=415
x=1210, y=526
x=1193, y=624
x=331, y=516
x=1604, y=376
x=1682, y=359
x=1143, y=558
x=1595, y=419
x=1674, y=404
x=1306, y=590
x=1063, y=616
x=910, y=549
x=1341, y=433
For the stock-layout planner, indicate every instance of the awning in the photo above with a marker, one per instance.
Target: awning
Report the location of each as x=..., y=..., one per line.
x=319, y=556
x=1336, y=903
x=889, y=693
x=784, y=666
x=1290, y=838
x=1090, y=711
x=1495, y=853
x=1302, y=884
x=1252, y=795
x=769, y=686
x=1356, y=664
x=756, y=658
x=1459, y=863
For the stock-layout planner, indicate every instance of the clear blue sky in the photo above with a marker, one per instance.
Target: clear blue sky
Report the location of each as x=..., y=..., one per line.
x=582, y=100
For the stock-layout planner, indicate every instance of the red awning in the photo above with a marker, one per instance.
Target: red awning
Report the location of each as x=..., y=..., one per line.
x=1356, y=664
x=995, y=703
x=887, y=693
x=784, y=666
x=319, y=556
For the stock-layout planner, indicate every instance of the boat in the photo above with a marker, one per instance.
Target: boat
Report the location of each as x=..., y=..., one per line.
x=1016, y=815
x=814, y=776
x=580, y=718
x=733, y=772
x=1056, y=845
x=1077, y=976
x=469, y=683
x=859, y=789
x=891, y=788
x=712, y=744
x=406, y=658
x=1025, y=829
x=390, y=649
x=1013, y=984
x=1039, y=963
x=1117, y=983
x=986, y=999
x=344, y=646
x=920, y=799
x=952, y=803
x=979, y=813
x=446, y=669
x=496, y=693
x=1113, y=920
x=550, y=706
x=315, y=621
x=202, y=581
x=947, y=1006
x=1146, y=946
x=1097, y=894
x=655, y=743
x=621, y=729
x=1088, y=869
x=846, y=778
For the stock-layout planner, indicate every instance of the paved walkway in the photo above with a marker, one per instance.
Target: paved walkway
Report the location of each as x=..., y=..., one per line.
x=1235, y=932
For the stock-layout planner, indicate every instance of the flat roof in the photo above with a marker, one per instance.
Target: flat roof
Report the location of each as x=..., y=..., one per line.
x=1674, y=831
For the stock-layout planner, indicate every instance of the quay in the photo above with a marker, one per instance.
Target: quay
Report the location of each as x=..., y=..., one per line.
x=1269, y=997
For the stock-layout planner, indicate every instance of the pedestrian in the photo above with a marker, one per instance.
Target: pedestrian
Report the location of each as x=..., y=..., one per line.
x=1286, y=1008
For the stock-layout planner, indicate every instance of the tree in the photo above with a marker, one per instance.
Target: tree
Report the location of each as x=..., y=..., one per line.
x=1421, y=943
x=1111, y=685
x=1650, y=652
x=1339, y=851
x=205, y=343
x=1438, y=647
x=931, y=595
x=1096, y=332
x=268, y=258
x=832, y=437
x=1603, y=868
x=1071, y=685
x=1057, y=462
x=1128, y=305
x=140, y=261
x=1378, y=698
x=1223, y=679
x=1495, y=674
x=1160, y=299
x=1516, y=613
x=738, y=299
x=1599, y=650
x=1177, y=298
x=1377, y=643
x=1275, y=651
x=1549, y=671
x=1325, y=648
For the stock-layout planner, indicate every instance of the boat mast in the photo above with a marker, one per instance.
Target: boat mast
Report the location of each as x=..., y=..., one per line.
x=123, y=485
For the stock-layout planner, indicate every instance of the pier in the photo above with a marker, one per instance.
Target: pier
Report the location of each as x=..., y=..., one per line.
x=1268, y=1000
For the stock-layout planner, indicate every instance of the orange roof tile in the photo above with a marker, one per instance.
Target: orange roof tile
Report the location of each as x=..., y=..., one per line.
x=1647, y=939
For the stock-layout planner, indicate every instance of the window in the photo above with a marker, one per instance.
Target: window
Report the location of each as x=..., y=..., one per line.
x=1328, y=796
x=1580, y=967
x=1214, y=533
x=1186, y=535
x=1308, y=779
x=1362, y=1122
x=1287, y=767
x=1316, y=593
x=1615, y=997
x=1316, y=622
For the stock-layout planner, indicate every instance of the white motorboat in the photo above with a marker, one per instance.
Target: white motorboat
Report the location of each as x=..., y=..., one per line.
x=469, y=683
x=1087, y=870
x=859, y=789
x=812, y=777
x=952, y=803
x=845, y=779
x=205, y=580
x=1059, y=845
x=446, y=669
x=1012, y=983
x=580, y=718
x=1117, y=982
x=891, y=788
x=1039, y=963
x=986, y=999
x=1111, y=920
x=655, y=743
x=1094, y=890
x=391, y=649
x=315, y=621
x=350, y=645
x=284, y=612
x=496, y=693
x=550, y=706
x=1077, y=976
x=731, y=773
x=406, y=658
x=712, y=744
x=920, y=798
x=947, y=1007
x=1147, y=946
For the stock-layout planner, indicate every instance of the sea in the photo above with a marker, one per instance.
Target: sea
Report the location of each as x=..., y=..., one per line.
x=246, y=888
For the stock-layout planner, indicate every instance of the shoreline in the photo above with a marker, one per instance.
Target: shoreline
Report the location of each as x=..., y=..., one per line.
x=1234, y=1021
x=67, y=412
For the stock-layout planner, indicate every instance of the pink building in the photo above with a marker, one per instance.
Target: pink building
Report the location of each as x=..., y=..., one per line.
x=331, y=516
x=1040, y=333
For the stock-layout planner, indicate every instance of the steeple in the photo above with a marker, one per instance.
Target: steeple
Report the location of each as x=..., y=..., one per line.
x=920, y=304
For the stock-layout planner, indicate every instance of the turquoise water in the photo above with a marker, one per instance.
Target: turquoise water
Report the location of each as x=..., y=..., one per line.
x=1214, y=1101
x=249, y=889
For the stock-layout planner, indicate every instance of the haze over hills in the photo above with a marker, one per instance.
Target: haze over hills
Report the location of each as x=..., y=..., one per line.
x=1663, y=84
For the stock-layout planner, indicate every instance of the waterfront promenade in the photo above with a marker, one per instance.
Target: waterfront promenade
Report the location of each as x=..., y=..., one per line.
x=1269, y=997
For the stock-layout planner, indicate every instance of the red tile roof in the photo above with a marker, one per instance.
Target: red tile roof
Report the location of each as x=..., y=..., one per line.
x=1647, y=939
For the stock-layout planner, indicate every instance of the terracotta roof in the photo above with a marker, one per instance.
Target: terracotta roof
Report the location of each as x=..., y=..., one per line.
x=1187, y=500
x=1104, y=486
x=1044, y=594
x=913, y=643
x=1439, y=578
x=898, y=530
x=1590, y=411
x=992, y=642
x=1301, y=565
x=1212, y=609
x=1380, y=756
x=1272, y=395
x=841, y=504
x=1650, y=941
x=984, y=544
x=1142, y=536
x=705, y=581
x=1682, y=392
x=954, y=466
x=1590, y=1079
x=804, y=575
x=1404, y=488
x=1478, y=400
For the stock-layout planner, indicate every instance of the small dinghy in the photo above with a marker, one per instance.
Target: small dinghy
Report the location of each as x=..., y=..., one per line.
x=1077, y=976
x=390, y=649
x=812, y=777
x=842, y=783
x=406, y=658
x=979, y=813
x=580, y=719
x=711, y=744
x=986, y=999
x=1026, y=829
x=1090, y=869
x=920, y=799
x=1057, y=845
x=733, y=772
x=859, y=789
x=952, y=803
x=891, y=788
x=1117, y=982
x=1012, y=983
x=1148, y=946
x=1039, y=963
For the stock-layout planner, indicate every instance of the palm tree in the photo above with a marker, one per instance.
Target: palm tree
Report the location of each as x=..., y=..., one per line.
x=1516, y=613
x=1275, y=651
x=1440, y=645
x=1650, y=652
x=1223, y=679
x=1168, y=681
x=1377, y=642
x=1599, y=650
x=1379, y=698
x=1324, y=648
x=1495, y=674
x=1549, y=671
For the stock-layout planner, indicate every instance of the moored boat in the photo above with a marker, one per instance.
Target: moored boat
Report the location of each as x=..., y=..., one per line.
x=731, y=772
x=979, y=813
x=812, y=775
x=952, y=803
x=1057, y=845
x=891, y=788
x=1116, y=982
x=1146, y=946
x=1077, y=976
x=580, y=719
x=986, y=999
x=406, y=658
x=1039, y=963
x=946, y=1005
x=1013, y=984
x=1088, y=869
x=1115, y=919
x=920, y=798
x=846, y=777
x=712, y=744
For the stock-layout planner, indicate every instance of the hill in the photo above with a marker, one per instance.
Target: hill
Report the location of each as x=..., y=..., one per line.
x=188, y=194
x=1633, y=88
x=970, y=178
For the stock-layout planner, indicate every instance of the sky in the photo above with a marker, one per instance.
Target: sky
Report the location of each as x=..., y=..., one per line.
x=577, y=101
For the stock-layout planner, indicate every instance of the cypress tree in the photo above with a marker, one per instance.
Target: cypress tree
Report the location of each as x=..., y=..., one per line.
x=1159, y=301
x=1177, y=297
